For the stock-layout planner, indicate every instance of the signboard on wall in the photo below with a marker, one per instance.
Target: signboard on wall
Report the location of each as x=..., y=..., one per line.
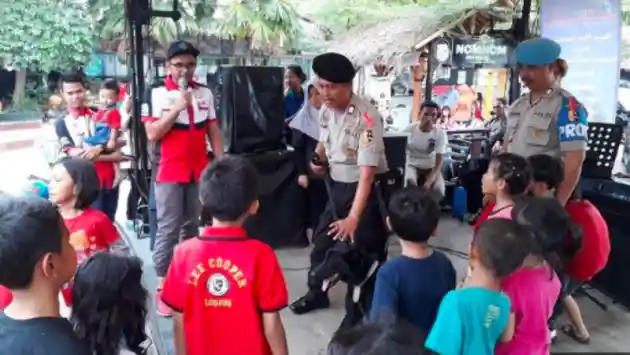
x=96, y=67
x=589, y=32
x=487, y=52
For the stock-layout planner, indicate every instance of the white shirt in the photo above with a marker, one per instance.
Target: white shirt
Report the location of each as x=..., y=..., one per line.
x=423, y=146
x=49, y=143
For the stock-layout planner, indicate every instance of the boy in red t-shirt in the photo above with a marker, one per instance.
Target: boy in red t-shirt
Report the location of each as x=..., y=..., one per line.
x=590, y=258
x=226, y=290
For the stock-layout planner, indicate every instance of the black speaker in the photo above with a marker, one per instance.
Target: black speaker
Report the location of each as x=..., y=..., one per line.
x=249, y=102
x=396, y=155
x=282, y=214
x=611, y=199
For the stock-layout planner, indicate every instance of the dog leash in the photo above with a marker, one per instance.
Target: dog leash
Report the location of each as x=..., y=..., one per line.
x=317, y=161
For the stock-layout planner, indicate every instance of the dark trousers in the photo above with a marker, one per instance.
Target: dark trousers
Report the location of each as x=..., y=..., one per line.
x=317, y=199
x=370, y=238
x=107, y=202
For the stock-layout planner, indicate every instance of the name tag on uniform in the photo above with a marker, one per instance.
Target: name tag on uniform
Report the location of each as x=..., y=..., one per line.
x=545, y=115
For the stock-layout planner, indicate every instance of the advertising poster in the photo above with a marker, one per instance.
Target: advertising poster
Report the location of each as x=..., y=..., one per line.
x=458, y=98
x=589, y=32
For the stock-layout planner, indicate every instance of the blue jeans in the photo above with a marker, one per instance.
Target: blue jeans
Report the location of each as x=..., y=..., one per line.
x=107, y=202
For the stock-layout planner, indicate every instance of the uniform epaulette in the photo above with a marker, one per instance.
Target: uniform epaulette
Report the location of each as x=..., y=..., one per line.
x=522, y=97
x=565, y=93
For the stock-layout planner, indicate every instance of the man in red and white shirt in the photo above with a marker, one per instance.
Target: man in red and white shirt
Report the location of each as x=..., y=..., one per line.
x=178, y=117
x=74, y=127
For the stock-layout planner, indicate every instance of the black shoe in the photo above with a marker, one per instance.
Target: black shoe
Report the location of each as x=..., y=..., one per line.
x=313, y=300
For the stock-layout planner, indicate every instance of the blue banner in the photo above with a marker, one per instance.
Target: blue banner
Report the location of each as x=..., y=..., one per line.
x=590, y=34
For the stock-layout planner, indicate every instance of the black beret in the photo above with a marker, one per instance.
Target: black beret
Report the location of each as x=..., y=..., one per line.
x=181, y=47
x=334, y=67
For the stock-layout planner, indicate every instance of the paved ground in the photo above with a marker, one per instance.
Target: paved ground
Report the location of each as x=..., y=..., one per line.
x=309, y=334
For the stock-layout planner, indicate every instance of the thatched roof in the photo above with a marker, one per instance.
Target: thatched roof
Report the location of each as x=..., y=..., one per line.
x=388, y=41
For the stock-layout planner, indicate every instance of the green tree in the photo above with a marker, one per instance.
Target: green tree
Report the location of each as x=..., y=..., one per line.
x=110, y=22
x=269, y=24
x=43, y=35
x=264, y=23
x=340, y=16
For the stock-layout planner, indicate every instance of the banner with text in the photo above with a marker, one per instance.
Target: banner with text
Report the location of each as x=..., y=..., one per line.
x=485, y=52
x=589, y=32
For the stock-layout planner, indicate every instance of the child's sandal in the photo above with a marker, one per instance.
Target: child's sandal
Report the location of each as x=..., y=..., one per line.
x=570, y=331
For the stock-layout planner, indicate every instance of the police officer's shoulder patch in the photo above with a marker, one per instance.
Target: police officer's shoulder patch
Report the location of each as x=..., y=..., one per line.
x=369, y=120
x=572, y=120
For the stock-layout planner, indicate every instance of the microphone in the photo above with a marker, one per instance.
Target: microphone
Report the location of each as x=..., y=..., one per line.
x=183, y=84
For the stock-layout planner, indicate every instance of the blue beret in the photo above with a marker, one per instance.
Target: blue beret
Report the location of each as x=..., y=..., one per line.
x=537, y=52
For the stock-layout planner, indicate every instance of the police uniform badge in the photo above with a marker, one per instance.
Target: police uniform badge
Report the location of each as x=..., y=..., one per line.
x=349, y=152
x=218, y=285
x=183, y=46
x=368, y=136
x=431, y=146
x=351, y=109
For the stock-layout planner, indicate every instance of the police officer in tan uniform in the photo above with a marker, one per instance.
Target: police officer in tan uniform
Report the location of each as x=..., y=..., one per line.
x=549, y=119
x=351, y=145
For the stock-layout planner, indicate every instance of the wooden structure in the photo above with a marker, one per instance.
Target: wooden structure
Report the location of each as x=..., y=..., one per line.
x=392, y=45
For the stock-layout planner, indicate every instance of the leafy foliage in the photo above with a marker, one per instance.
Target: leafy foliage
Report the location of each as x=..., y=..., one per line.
x=44, y=34
x=110, y=20
x=339, y=16
x=264, y=22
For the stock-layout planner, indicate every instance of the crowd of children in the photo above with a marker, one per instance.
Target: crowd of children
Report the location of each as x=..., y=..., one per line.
x=227, y=290
x=39, y=261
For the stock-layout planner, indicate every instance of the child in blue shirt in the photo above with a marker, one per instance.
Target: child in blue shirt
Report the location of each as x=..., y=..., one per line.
x=472, y=319
x=411, y=286
x=107, y=119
